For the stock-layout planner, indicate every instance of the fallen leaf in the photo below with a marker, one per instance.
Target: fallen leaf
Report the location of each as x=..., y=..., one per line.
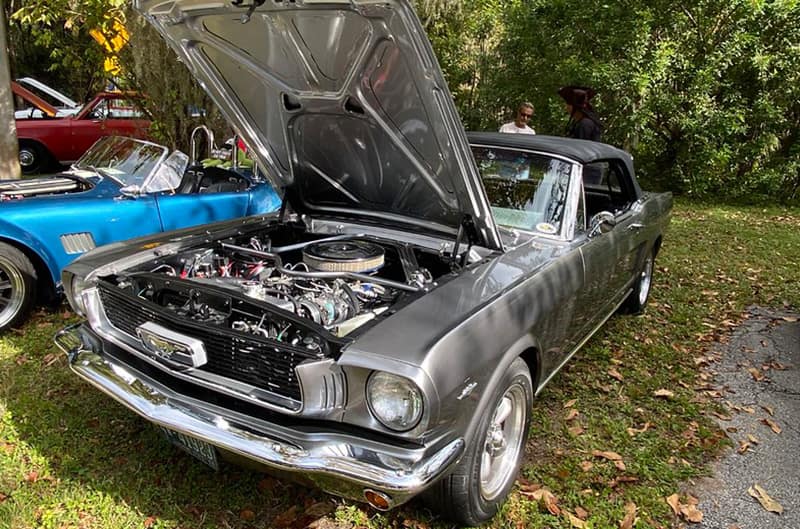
x=286, y=518
x=620, y=465
x=630, y=516
x=744, y=446
x=721, y=416
x=674, y=501
x=586, y=466
x=615, y=374
x=763, y=498
x=757, y=375
x=3, y=497
x=32, y=476
x=581, y=513
x=575, y=430
x=575, y=522
x=611, y=456
x=571, y=414
x=633, y=431
x=547, y=501
x=753, y=439
x=772, y=424
x=768, y=410
x=267, y=485
x=570, y=403
x=691, y=513
x=621, y=479
x=526, y=486
x=664, y=393
x=790, y=319
x=247, y=515
x=149, y=521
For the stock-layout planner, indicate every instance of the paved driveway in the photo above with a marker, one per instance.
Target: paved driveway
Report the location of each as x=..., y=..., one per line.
x=767, y=345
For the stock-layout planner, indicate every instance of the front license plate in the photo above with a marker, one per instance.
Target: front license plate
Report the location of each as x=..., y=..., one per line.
x=201, y=450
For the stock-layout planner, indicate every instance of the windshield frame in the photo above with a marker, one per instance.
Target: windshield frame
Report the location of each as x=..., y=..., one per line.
x=145, y=181
x=574, y=192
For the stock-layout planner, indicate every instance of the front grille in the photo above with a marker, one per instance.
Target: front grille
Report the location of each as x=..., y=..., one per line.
x=262, y=363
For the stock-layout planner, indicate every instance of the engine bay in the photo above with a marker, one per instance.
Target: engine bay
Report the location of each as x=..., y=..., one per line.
x=287, y=286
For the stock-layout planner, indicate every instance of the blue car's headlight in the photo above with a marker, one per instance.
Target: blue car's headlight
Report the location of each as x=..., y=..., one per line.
x=395, y=401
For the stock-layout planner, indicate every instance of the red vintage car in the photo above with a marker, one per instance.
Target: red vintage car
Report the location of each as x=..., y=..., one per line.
x=50, y=139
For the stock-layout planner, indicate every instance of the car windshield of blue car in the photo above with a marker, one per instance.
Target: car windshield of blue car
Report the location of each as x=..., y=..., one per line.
x=126, y=160
x=526, y=191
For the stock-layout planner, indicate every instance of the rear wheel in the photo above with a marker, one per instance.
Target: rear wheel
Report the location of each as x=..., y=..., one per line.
x=480, y=483
x=32, y=157
x=17, y=286
x=637, y=299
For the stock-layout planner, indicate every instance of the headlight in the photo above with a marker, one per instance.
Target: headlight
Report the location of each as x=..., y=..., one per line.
x=395, y=401
x=76, y=287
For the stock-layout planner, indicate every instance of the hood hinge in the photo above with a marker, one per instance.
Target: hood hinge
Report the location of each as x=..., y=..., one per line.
x=466, y=228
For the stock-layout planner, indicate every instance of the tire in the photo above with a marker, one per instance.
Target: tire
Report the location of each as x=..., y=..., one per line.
x=33, y=158
x=463, y=496
x=17, y=286
x=637, y=299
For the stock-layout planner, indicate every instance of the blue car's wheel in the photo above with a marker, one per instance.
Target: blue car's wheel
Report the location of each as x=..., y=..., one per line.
x=17, y=286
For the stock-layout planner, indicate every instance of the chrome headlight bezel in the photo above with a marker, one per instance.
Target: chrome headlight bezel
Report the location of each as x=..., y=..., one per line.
x=74, y=290
x=389, y=393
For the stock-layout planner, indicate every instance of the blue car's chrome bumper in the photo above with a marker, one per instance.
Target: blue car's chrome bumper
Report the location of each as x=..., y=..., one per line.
x=340, y=463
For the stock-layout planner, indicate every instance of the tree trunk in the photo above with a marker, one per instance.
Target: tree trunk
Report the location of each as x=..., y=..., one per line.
x=9, y=153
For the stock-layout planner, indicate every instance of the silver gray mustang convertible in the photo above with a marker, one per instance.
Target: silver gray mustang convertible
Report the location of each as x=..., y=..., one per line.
x=385, y=333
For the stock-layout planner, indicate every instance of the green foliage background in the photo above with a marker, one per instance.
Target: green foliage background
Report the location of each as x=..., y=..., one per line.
x=705, y=95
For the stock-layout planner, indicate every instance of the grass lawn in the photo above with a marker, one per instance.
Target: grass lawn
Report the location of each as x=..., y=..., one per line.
x=71, y=457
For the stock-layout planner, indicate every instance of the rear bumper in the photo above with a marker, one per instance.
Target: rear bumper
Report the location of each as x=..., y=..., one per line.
x=343, y=464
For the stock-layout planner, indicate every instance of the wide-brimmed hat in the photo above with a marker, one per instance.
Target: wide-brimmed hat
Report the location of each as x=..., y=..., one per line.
x=577, y=96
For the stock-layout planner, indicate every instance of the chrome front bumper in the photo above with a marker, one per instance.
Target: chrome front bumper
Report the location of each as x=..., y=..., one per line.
x=345, y=465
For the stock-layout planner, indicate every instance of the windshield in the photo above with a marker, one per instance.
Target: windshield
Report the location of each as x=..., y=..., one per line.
x=526, y=191
x=126, y=160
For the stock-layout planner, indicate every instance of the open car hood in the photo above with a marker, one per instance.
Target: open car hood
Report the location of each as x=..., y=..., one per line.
x=342, y=101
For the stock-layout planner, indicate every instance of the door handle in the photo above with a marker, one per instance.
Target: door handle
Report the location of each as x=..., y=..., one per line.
x=635, y=227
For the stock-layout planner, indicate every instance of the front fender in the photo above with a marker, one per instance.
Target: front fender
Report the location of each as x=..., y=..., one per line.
x=22, y=238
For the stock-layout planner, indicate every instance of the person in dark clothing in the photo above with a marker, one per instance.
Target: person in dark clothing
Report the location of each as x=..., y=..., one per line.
x=584, y=123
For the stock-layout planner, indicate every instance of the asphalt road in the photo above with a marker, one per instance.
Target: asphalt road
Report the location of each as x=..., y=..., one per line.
x=770, y=340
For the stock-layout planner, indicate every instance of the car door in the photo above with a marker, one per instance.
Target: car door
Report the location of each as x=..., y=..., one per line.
x=86, y=127
x=124, y=118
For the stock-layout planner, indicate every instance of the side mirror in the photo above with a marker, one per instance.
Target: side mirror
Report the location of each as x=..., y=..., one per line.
x=131, y=191
x=602, y=222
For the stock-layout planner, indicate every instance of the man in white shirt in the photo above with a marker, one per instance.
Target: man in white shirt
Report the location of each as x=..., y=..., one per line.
x=520, y=123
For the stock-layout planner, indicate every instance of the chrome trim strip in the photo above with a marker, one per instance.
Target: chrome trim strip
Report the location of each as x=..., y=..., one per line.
x=398, y=471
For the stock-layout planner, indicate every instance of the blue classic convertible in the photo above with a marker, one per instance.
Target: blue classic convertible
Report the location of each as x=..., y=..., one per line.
x=120, y=189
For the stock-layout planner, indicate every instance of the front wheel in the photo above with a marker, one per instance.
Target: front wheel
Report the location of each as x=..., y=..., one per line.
x=637, y=299
x=17, y=286
x=480, y=483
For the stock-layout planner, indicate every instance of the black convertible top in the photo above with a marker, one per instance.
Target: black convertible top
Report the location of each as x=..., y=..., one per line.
x=581, y=151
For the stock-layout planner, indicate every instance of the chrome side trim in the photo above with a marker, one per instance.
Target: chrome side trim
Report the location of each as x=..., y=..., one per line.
x=400, y=472
x=581, y=344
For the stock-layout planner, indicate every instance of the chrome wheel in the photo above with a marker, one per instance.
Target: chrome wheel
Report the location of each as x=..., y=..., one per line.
x=12, y=291
x=27, y=158
x=503, y=442
x=645, y=280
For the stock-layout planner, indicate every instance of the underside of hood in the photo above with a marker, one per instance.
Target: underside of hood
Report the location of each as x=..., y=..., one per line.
x=342, y=102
